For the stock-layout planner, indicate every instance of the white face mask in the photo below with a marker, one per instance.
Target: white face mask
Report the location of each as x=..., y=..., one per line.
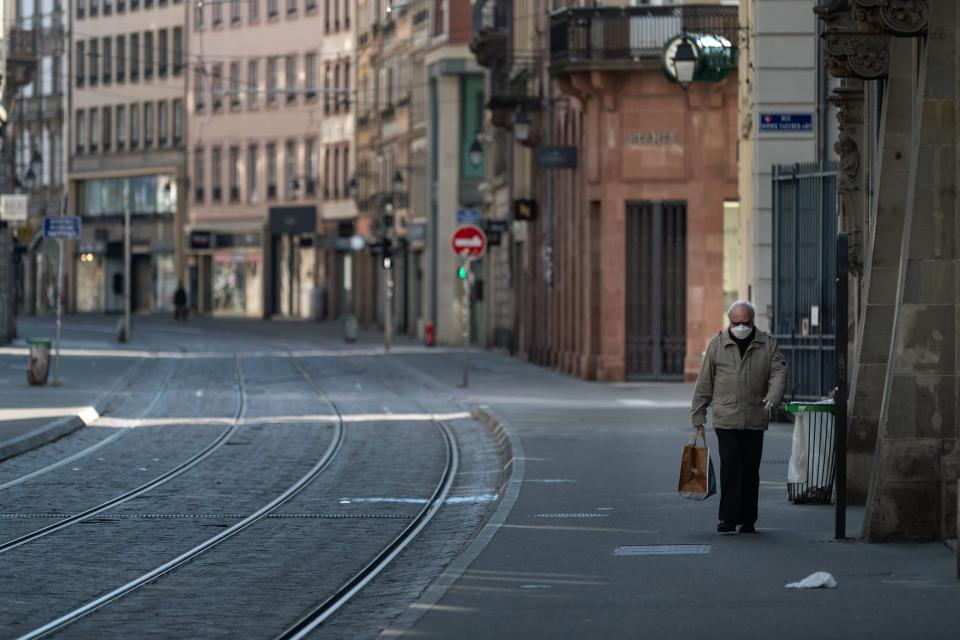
x=740, y=331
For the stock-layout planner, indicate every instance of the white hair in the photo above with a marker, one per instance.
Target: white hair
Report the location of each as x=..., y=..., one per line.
x=743, y=303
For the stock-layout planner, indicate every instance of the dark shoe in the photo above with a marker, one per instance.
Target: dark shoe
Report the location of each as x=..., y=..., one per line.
x=747, y=528
x=726, y=527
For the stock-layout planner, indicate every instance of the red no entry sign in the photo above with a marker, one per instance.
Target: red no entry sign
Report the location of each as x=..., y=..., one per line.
x=469, y=241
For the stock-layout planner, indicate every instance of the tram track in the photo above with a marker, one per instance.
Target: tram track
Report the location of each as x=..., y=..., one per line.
x=150, y=408
x=178, y=470
x=115, y=594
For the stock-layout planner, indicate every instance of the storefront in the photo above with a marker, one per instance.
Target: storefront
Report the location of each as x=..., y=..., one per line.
x=225, y=272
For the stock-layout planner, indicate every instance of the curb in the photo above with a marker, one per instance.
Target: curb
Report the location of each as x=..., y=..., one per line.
x=510, y=451
x=66, y=425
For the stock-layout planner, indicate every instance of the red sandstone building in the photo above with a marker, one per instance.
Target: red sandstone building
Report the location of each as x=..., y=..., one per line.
x=620, y=274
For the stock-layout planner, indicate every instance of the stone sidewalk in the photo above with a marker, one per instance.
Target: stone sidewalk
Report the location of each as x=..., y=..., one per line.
x=599, y=472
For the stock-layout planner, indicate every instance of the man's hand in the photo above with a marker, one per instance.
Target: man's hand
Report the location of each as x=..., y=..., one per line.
x=698, y=432
x=768, y=405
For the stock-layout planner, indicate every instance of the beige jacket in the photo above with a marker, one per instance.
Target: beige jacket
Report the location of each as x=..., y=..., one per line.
x=738, y=387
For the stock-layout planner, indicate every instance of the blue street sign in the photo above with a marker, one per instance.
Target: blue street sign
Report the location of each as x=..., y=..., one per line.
x=61, y=227
x=786, y=122
x=468, y=216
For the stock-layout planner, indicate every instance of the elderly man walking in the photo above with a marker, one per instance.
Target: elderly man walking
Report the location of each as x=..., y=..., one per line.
x=743, y=376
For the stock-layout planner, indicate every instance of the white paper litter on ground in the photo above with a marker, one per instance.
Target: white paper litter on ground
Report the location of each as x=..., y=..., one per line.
x=818, y=580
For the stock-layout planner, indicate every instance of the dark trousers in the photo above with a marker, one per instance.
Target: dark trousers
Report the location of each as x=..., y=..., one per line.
x=740, y=453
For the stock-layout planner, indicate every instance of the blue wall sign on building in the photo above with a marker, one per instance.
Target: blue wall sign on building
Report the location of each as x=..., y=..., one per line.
x=786, y=122
x=468, y=216
x=61, y=227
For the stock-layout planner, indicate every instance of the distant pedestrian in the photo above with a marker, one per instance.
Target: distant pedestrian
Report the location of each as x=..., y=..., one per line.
x=180, y=303
x=743, y=376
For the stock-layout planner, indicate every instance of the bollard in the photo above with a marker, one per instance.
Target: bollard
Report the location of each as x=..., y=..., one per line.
x=38, y=365
x=350, y=327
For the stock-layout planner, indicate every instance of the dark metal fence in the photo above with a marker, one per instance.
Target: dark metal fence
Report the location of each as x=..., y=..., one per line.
x=804, y=245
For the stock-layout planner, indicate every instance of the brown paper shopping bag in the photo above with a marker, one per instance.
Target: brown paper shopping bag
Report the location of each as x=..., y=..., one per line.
x=697, y=479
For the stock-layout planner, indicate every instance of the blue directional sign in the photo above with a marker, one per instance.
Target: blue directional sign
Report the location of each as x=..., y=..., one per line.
x=786, y=122
x=468, y=216
x=61, y=227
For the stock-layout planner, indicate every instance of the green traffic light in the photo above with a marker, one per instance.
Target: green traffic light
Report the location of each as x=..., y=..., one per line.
x=462, y=273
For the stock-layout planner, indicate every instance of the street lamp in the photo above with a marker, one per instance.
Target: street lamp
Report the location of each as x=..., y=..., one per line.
x=521, y=125
x=685, y=63
x=475, y=153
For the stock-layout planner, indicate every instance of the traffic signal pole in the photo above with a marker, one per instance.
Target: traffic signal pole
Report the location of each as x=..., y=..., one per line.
x=388, y=310
x=468, y=277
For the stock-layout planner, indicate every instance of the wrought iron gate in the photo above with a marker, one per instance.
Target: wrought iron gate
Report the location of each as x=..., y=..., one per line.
x=804, y=309
x=656, y=322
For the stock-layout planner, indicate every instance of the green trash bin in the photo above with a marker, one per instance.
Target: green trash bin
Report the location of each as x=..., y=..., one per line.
x=813, y=459
x=38, y=366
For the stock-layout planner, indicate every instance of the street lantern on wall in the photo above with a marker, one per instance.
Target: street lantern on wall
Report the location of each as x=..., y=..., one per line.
x=685, y=63
x=521, y=125
x=475, y=153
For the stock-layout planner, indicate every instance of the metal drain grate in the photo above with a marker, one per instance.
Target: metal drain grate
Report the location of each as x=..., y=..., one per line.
x=570, y=515
x=661, y=549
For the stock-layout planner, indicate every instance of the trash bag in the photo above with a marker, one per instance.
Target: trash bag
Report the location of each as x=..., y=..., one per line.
x=818, y=580
x=698, y=481
x=797, y=468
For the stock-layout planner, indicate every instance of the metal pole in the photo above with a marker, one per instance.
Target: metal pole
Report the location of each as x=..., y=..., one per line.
x=126, y=274
x=466, y=321
x=840, y=399
x=56, y=362
x=388, y=311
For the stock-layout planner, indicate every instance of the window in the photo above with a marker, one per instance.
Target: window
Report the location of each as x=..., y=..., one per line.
x=326, y=173
x=254, y=10
x=107, y=128
x=234, y=11
x=79, y=131
x=310, y=73
x=234, y=169
x=252, y=173
x=291, y=81
x=271, y=81
x=326, y=15
x=311, y=5
x=121, y=123
x=177, y=121
x=252, y=83
x=217, y=86
x=107, y=8
x=217, y=19
x=271, y=171
x=107, y=59
x=163, y=126
x=346, y=13
x=93, y=133
x=336, y=87
x=94, y=8
x=234, y=85
x=199, y=88
x=81, y=9
x=310, y=167
x=148, y=124
x=198, y=18
x=344, y=97
x=336, y=173
x=326, y=87
x=134, y=126
x=291, y=7
x=271, y=8
x=345, y=157
x=216, y=170
x=94, y=64
x=162, y=53
x=81, y=62
x=121, y=59
x=134, y=57
x=290, y=170
x=134, y=5
x=199, y=179
x=148, y=55
x=177, y=51
x=121, y=6
x=147, y=4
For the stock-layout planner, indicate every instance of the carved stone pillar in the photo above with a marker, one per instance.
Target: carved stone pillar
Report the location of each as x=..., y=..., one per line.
x=850, y=174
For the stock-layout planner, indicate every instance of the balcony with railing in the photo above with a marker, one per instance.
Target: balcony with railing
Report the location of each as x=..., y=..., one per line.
x=619, y=37
x=21, y=57
x=490, y=22
x=514, y=85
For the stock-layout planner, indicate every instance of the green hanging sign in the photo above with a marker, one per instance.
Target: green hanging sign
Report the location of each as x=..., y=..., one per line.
x=716, y=57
